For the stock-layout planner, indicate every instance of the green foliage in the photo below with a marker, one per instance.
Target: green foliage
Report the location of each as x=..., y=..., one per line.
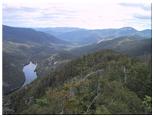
x=140, y=78
x=42, y=102
x=102, y=110
x=99, y=83
x=147, y=103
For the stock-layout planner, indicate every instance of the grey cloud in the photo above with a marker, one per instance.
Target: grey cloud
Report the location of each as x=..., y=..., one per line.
x=52, y=12
x=46, y=17
x=58, y=11
x=13, y=14
x=20, y=9
x=28, y=9
x=57, y=14
x=53, y=17
x=145, y=17
x=146, y=7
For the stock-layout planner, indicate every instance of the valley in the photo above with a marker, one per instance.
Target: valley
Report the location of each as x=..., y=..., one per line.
x=79, y=71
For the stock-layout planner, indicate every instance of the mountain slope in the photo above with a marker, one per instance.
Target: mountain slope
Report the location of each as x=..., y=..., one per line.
x=80, y=37
x=57, y=30
x=16, y=34
x=100, y=83
x=131, y=45
x=21, y=45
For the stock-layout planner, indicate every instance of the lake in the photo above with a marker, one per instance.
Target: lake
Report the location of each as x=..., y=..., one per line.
x=30, y=74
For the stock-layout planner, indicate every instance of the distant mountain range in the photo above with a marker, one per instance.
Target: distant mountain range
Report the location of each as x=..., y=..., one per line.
x=85, y=36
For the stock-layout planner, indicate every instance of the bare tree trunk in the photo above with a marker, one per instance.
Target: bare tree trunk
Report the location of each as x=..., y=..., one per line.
x=125, y=73
x=91, y=103
x=94, y=99
x=62, y=110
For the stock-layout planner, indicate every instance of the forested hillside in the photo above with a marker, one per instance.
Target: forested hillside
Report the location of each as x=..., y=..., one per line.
x=130, y=45
x=20, y=45
x=104, y=82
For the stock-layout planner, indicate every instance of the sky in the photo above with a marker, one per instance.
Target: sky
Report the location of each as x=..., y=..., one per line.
x=90, y=14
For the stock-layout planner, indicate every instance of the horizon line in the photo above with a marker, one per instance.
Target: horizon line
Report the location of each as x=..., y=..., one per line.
x=76, y=27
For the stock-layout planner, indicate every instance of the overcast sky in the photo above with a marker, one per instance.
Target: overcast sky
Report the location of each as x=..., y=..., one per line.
x=91, y=14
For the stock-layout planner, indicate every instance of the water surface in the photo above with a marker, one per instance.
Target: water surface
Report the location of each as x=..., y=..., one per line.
x=30, y=74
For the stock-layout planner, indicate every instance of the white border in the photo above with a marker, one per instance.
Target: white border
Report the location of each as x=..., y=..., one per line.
x=74, y=115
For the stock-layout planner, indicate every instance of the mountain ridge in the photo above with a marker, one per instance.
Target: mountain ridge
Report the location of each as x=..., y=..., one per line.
x=86, y=36
x=11, y=33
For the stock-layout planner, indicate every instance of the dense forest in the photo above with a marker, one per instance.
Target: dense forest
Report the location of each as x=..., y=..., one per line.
x=104, y=82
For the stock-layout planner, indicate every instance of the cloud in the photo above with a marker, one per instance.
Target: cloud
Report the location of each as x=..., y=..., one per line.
x=16, y=13
x=144, y=17
x=58, y=13
x=15, y=9
x=146, y=7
